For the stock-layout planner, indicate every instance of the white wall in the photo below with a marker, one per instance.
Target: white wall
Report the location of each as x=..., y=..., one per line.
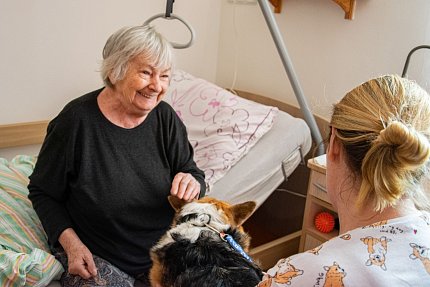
x=50, y=50
x=330, y=55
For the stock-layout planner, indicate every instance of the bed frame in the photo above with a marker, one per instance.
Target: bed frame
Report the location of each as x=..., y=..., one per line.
x=270, y=249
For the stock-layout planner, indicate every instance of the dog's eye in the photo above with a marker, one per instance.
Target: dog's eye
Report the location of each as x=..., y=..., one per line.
x=186, y=218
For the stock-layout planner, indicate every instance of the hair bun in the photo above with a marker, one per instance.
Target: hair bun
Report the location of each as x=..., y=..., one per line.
x=412, y=149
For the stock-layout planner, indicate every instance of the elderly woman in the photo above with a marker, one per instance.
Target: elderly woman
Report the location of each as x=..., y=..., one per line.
x=108, y=163
x=377, y=156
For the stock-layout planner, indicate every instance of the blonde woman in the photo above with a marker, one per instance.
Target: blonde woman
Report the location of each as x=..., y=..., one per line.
x=377, y=156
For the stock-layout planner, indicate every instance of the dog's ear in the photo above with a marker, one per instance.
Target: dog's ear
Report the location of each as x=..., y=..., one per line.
x=242, y=211
x=176, y=203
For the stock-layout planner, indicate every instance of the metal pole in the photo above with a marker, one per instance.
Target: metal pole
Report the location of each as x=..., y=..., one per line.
x=286, y=61
x=169, y=7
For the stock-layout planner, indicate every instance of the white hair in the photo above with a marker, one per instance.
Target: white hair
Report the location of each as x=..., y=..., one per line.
x=129, y=42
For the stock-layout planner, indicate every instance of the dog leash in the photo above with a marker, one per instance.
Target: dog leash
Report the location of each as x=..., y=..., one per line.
x=229, y=239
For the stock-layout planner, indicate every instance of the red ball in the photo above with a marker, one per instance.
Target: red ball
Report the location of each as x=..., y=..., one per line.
x=324, y=222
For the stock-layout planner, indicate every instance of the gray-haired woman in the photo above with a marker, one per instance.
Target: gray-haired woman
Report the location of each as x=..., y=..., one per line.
x=109, y=160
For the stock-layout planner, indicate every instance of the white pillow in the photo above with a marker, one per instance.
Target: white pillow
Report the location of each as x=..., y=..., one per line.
x=222, y=127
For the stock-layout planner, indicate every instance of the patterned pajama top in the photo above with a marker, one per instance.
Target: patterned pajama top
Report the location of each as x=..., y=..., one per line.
x=388, y=253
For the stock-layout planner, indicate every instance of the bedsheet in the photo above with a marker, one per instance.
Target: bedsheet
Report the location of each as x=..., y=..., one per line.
x=265, y=166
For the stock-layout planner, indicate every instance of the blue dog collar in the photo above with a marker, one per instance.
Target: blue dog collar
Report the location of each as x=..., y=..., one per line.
x=229, y=239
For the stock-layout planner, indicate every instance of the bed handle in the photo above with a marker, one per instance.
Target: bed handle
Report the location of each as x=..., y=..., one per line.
x=405, y=67
x=170, y=16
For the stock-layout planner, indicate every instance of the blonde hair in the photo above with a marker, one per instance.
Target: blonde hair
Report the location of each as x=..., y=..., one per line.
x=384, y=127
x=129, y=42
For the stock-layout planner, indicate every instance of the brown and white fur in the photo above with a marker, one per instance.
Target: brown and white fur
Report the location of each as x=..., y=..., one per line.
x=192, y=254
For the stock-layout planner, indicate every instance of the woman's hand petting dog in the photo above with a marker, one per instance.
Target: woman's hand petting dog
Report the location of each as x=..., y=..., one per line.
x=185, y=186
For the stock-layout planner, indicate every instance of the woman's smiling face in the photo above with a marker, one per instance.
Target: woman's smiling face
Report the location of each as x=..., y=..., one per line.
x=143, y=86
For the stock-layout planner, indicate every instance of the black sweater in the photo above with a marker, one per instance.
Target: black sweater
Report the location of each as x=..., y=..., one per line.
x=108, y=183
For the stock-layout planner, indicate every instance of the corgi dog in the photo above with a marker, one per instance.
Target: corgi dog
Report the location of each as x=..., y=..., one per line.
x=205, y=246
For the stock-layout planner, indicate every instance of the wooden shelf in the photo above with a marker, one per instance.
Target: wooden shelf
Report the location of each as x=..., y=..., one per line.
x=277, y=4
x=317, y=200
x=347, y=5
x=322, y=236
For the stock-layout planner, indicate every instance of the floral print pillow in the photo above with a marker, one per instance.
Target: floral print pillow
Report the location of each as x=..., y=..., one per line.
x=222, y=127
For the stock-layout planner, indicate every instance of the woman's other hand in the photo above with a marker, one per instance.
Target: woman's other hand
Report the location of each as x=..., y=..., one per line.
x=185, y=186
x=80, y=258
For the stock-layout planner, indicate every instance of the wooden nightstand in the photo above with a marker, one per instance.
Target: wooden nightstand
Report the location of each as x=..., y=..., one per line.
x=316, y=201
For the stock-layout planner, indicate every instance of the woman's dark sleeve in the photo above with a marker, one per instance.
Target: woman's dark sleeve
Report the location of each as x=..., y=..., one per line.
x=48, y=182
x=182, y=153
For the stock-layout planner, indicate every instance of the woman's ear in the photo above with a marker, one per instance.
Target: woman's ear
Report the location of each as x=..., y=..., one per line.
x=110, y=79
x=334, y=147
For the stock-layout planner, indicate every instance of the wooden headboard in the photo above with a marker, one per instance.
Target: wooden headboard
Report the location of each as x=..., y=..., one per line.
x=28, y=133
x=21, y=134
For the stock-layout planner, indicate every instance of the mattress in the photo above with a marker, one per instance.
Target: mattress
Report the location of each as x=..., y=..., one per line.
x=273, y=158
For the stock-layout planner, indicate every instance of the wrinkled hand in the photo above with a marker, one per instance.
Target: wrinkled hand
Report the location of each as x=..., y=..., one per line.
x=81, y=262
x=80, y=258
x=185, y=186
